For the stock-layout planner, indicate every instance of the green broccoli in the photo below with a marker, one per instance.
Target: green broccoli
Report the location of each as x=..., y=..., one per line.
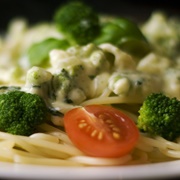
x=160, y=115
x=62, y=84
x=78, y=22
x=38, y=81
x=134, y=86
x=21, y=112
x=67, y=86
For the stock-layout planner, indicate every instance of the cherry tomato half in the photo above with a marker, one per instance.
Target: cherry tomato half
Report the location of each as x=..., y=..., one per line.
x=101, y=131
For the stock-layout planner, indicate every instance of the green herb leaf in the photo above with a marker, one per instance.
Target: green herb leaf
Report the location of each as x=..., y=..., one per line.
x=38, y=54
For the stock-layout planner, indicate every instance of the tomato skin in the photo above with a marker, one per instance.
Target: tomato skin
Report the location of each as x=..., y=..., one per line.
x=101, y=131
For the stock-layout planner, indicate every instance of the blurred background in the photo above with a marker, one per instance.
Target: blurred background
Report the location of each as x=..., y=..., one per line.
x=42, y=10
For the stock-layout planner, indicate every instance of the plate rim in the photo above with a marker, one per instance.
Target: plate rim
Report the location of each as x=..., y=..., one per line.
x=24, y=171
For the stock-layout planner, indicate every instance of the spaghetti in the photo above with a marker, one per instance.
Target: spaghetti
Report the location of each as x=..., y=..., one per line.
x=50, y=145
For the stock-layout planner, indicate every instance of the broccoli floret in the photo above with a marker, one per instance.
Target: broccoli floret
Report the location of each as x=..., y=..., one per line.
x=89, y=58
x=134, y=85
x=165, y=42
x=159, y=115
x=78, y=22
x=21, y=112
x=67, y=86
x=62, y=84
x=38, y=81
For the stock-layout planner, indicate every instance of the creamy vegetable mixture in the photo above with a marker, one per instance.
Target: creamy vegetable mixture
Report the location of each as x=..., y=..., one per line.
x=94, y=70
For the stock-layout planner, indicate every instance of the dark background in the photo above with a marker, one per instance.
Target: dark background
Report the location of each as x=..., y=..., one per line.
x=41, y=10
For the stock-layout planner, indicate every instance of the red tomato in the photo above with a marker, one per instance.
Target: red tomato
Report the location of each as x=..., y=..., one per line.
x=101, y=131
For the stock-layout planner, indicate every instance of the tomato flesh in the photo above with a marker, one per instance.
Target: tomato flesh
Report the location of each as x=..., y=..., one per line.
x=101, y=131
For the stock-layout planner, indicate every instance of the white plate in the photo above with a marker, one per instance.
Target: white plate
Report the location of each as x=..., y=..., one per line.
x=167, y=170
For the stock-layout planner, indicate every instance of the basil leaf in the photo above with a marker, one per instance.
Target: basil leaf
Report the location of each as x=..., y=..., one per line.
x=38, y=53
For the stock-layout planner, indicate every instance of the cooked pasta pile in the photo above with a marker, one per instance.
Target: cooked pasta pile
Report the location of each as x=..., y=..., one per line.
x=50, y=145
